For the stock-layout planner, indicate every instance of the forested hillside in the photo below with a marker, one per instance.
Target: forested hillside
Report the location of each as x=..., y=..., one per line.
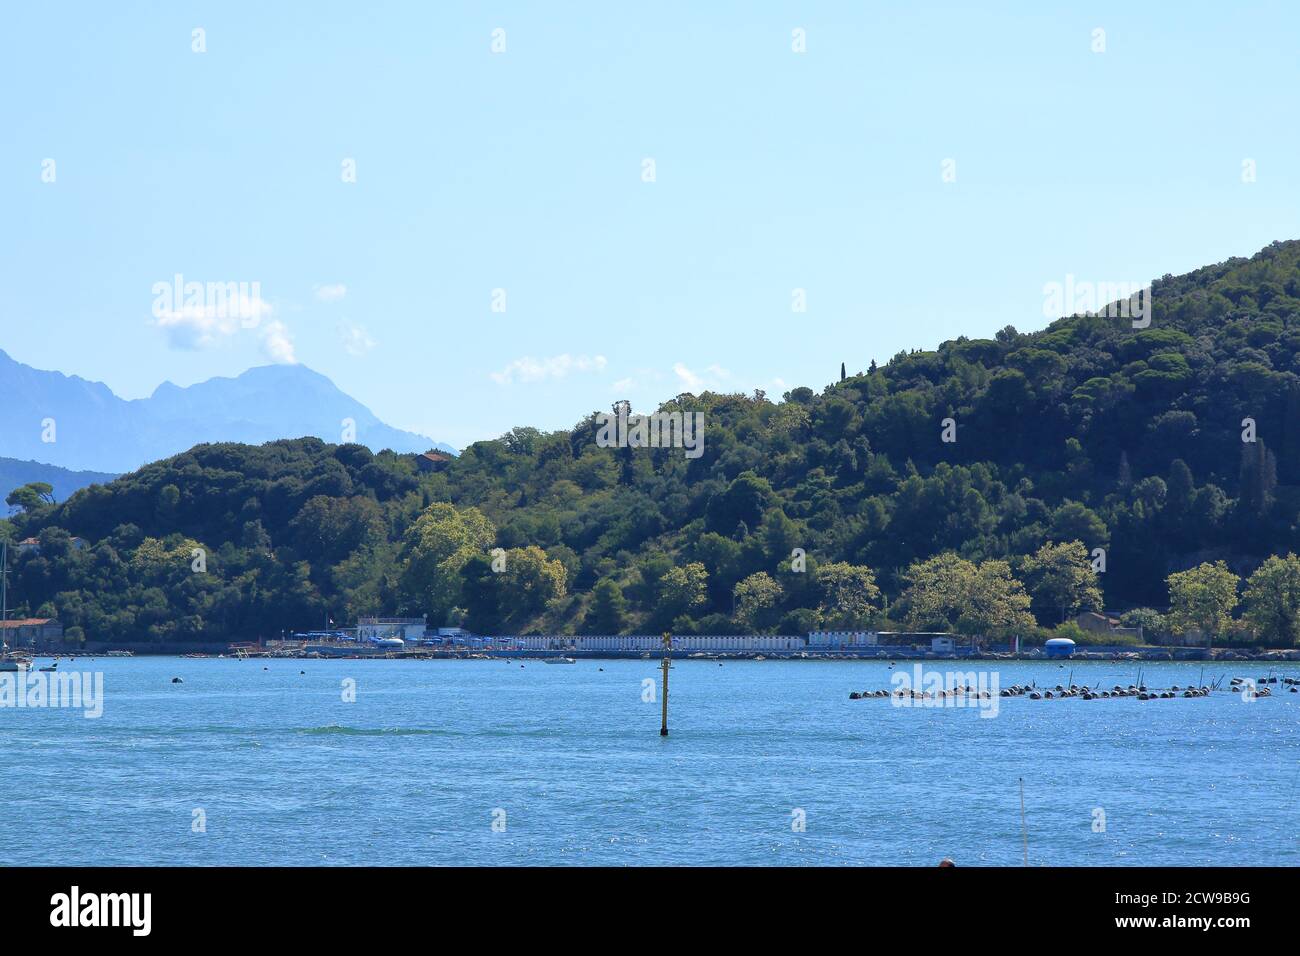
x=1090, y=431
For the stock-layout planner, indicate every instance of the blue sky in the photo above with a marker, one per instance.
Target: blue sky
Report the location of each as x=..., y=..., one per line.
x=522, y=171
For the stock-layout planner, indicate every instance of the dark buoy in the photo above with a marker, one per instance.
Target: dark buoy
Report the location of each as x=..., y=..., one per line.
x=177, y=680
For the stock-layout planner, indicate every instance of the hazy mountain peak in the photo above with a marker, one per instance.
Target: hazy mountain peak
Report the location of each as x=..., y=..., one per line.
x=95, y=429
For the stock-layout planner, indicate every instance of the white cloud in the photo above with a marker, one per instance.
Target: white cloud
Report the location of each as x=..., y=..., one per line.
x=623, y=385
x=356, y=339
x=529, y=369
x=277, y=343
x=331, y=293
x=197, y=328
x=710, y=380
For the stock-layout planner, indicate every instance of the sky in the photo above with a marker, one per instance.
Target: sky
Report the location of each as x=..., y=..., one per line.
x=642, y=187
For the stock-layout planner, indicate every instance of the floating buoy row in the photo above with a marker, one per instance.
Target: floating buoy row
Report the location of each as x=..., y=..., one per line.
x=1239, y=685
x=1291, y=682
x=952, y=693
x=1083, y=692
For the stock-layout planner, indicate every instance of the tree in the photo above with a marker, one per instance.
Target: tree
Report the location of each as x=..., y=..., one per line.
x=938, y=591
x=1077, y=522
x=1181, y=487
x=1257, y=478
x=436, y=548
x=1060, y=576
x=743, y=502
x=329, y=529
x=997, y=604
x=952, y=593
x=1148, y=620
x=531, y=580
x=33, y=497
x=682, y=590
x=849, y=596
x=480, y=595
x=1272, y=599
x=1202, y=598
x=756, y=598
x=607, y=612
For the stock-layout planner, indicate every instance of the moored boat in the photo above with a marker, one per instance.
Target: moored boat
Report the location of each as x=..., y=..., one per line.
x=12, y=662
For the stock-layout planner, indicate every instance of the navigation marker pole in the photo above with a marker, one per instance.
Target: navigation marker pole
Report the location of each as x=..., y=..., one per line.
x=668, y=645
x=1024, y=830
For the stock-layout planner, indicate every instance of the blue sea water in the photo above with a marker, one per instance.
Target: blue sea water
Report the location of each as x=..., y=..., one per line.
x=430, y=753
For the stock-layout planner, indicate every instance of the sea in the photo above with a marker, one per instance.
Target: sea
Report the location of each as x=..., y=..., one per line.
x=518, y=762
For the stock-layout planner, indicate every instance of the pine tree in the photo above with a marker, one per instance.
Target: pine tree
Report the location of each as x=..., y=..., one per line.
x=1257, y=479
x=608, y=608
x=842, y=375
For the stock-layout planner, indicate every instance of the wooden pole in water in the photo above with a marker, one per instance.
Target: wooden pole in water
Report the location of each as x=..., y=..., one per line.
x=663, y=727
x=1024, y=829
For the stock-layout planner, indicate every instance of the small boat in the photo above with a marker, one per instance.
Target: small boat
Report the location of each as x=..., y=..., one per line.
x=12, y=663
x=561, y=660
x=50, y=667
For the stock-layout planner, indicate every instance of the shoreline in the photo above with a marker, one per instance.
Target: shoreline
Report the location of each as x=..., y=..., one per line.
x=1154, y=654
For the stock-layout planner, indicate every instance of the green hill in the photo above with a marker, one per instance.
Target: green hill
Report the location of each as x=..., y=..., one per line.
x=1124, y=439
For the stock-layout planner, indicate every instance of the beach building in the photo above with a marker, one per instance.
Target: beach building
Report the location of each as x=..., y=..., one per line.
x=31, y=631
x=841, y=640
x=707, y=643
x=408, y=629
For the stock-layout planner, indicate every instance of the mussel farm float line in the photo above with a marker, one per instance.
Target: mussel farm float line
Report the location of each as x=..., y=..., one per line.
x=1084, y=692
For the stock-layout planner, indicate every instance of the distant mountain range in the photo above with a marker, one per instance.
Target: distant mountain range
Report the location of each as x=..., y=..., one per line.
x=15, y=474
x=94, y=429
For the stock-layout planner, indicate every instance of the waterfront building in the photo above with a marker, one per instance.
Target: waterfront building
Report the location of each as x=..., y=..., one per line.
x=841, y=640
x=31, y=631
x=408, y=629
x=705, y=643
x=820, y=642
